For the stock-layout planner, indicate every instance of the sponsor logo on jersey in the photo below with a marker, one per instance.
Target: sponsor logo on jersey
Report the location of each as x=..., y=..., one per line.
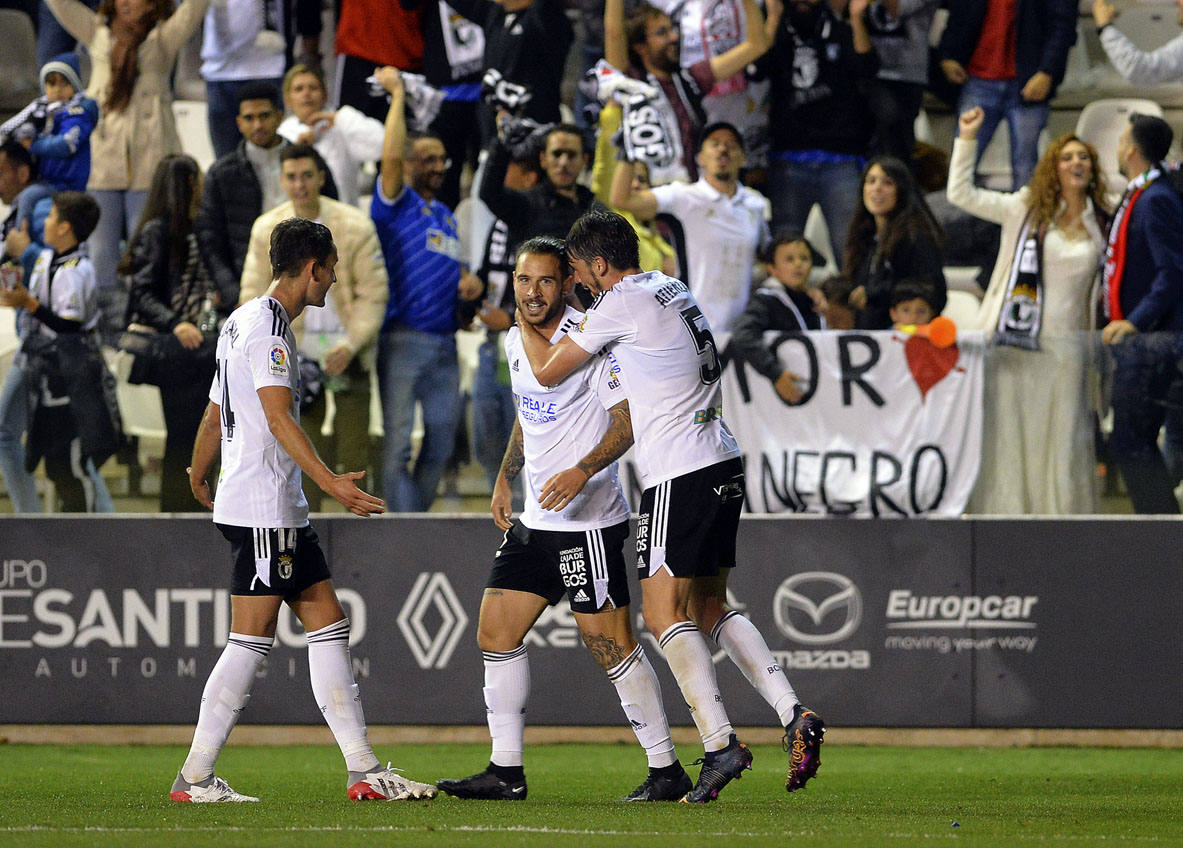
x=440, y=242
x=711, y=413
x=277, y=361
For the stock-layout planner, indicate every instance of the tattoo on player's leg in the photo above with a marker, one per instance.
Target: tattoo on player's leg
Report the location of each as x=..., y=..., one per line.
x=607, y=651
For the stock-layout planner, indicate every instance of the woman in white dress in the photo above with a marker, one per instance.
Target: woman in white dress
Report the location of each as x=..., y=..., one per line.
x=1037, y=440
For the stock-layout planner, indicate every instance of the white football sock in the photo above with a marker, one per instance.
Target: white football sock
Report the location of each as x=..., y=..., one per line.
x=507, y=687
x=746, y=646
x=689, y=659
x=226, y=693
x=640, y=695
x=338, y=695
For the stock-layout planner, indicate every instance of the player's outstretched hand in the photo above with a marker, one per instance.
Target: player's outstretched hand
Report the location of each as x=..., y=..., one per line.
x=562, y=488
x=344, y=490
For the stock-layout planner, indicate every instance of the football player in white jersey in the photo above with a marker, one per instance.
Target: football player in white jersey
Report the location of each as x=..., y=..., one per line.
x=694, y=487
x=569, y=539
x=252, y=421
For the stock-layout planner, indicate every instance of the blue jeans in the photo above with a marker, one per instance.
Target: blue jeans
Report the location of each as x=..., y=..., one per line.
x=14, y=413
x=492, y=411
x=221, y=97
x=417, y=368
x=119, y=214
x=793, y=188
x=52, y=37
x=14, y=406
x=1001, y=99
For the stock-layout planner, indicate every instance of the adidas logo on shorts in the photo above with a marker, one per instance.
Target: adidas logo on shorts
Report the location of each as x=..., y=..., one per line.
x=581, y=596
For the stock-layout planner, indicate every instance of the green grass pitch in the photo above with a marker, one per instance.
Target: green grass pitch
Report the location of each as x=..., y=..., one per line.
x=863, y=796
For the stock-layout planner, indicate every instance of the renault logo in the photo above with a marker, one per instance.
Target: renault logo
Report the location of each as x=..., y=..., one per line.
x=818, y=607
x=432, y=591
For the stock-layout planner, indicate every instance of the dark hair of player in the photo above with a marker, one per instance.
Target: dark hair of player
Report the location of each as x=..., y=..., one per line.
x=604, y=233
x=546, y=246
x=296, y=240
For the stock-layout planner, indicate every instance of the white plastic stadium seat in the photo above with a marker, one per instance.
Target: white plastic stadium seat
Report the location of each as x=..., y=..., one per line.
x=139, y=405
x=1101, y=124
x=193, y=128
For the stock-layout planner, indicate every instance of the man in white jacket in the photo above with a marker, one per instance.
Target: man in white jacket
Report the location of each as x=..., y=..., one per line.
x=346, y=138
x=1139, y=67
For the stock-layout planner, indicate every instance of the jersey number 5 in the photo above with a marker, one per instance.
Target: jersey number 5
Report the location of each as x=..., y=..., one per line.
x=704, y=342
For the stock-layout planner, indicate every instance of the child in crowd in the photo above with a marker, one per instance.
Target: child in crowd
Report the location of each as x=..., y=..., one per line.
x=783, y=304
x=834, y=303
x=56, y=129
x=912, y=303
x=61, y=301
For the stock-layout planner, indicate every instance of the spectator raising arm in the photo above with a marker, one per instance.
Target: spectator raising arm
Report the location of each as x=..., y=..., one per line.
x=395, y=142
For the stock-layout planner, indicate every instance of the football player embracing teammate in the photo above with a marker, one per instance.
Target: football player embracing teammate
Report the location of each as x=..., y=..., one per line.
x=690, y=466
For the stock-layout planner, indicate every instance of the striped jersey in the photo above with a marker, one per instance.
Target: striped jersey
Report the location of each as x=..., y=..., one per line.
x=66, y=284
x=259, y=485
x=670, y=371
x=422, y=254
x=560, y=426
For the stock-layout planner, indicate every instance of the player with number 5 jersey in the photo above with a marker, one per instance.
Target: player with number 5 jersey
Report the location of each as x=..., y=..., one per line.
x=694, y=488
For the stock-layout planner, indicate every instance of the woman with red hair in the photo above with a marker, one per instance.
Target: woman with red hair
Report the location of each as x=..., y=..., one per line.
x=1037, y=434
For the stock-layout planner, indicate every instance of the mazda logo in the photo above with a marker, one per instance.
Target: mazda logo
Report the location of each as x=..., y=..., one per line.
x=804, y=601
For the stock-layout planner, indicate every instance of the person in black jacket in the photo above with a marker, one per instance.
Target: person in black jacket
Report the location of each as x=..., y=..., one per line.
x=1009, y=56
x=241, y=186
x=526, y=43
x=555, y=203
x=819, y=117
x=453, y=58
x=173, y=293
x=893, y=237
x=782, y=304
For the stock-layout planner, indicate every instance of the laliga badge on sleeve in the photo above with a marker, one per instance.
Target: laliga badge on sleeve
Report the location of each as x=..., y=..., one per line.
x=277, y=361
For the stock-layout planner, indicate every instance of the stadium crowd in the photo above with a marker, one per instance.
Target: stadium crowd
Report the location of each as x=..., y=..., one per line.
x=714, y=127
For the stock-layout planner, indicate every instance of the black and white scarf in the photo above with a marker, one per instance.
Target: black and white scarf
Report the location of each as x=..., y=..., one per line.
x=1021, y=318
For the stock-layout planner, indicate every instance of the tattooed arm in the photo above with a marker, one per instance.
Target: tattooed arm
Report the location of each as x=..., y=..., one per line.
x=511, y=466
x=562, y=488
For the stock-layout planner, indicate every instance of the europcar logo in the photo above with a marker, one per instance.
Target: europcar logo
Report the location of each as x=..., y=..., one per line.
x=818, y=607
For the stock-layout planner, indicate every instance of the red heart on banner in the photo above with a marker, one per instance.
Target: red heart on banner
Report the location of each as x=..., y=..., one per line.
x=929, y=364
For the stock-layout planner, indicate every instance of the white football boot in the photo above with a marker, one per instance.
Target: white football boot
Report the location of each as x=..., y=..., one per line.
x=386, y=785
x=212, y=790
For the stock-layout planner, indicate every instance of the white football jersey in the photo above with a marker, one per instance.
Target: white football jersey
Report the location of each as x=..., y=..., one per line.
x=260, y=484
x=66, y=284
x=723, y=235
x=670, y=371
x=560, y=426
